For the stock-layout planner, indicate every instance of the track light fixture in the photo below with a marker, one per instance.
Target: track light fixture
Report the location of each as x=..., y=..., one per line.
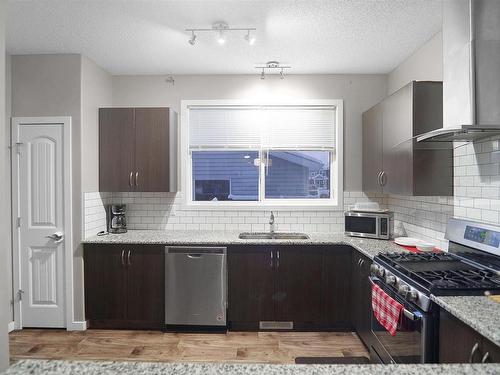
x=192, y=40
x=250, y=39
x=272, y=66
x=222, y=28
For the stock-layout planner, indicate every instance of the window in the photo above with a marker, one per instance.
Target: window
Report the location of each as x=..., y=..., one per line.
x=262, y=155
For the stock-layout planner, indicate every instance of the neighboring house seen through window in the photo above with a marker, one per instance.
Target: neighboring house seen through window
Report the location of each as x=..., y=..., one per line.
x=269, y=154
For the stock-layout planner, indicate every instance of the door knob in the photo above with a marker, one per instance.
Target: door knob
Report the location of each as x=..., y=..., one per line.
x=57, y=236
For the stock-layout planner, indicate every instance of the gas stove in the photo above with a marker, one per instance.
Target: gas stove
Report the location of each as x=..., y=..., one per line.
x=469, y=268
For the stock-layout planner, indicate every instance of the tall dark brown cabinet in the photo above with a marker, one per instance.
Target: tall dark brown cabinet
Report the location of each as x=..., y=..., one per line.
x=137, y=149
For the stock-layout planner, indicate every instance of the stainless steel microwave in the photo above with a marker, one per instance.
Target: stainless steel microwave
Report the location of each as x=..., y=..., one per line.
x=369, y=224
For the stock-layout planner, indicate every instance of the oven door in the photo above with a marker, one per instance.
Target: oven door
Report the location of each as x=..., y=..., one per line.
x=408, y=345
x=362, y=224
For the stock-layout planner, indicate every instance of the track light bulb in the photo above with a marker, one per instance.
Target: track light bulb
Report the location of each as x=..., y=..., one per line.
x=221, y=38
x=282, y=74
x=192, y=41
x=250, y=38
x=262, y=75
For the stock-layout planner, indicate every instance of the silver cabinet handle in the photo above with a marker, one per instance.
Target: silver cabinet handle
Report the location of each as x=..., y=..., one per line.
x=473, y=352
x=129, y=262
x=123, y=258
x=486, y=356
x=278, y=259
x=379, y=179
x=271, y=259
x=383, y=178
x=361, y=262
x=130, y=178
x=136, y=179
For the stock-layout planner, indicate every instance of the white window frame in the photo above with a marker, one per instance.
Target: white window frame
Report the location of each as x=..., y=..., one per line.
x=334, y=203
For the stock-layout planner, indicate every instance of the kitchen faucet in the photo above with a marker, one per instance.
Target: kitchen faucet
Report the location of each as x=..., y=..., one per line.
x=271, y=223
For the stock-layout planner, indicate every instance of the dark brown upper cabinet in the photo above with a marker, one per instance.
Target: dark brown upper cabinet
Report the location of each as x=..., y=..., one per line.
x=393, y=161
x=137, y=149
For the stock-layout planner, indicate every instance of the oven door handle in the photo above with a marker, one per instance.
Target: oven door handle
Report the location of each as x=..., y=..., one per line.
x=414, y=316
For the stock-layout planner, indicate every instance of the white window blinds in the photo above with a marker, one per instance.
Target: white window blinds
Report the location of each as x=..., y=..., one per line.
x=263, y=127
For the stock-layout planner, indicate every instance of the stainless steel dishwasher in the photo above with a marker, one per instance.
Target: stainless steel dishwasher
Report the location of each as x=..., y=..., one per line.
x=196, y=285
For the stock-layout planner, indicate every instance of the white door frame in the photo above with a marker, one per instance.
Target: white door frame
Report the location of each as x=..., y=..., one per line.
x=68, y=230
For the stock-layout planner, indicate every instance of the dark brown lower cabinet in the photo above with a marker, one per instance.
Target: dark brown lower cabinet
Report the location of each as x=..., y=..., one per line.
x=250, y=286
x=361, y=307
x=124, y=286
x=306, y=285
x=459, y=343
x=298, y=288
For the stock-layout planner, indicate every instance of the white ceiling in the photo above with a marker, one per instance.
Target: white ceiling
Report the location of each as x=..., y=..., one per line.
x=148, y=37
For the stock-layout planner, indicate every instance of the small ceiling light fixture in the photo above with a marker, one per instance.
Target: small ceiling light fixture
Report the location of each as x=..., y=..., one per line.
x=249, y=38
x=272, y=66
x=222, y=29
x=192, y=40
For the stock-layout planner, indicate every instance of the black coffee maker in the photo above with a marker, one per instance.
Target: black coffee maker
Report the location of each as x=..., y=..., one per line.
x=117, y=222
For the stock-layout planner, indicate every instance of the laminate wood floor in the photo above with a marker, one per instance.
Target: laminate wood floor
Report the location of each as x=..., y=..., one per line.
x=244, y=347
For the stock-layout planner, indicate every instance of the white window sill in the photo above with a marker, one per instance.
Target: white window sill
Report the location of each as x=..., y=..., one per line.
x=321, y=206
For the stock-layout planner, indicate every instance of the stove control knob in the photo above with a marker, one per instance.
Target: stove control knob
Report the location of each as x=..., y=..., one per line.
x=412, y=296
x=390, y=279
x=380, y=272
x=403, y=289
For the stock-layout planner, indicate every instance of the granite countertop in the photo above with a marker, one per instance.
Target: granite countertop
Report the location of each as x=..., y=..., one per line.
x=146, y=368
x=369, y=247
x=479, y=312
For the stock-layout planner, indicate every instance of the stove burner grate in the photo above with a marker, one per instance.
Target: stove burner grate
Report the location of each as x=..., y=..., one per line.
x=464, y=279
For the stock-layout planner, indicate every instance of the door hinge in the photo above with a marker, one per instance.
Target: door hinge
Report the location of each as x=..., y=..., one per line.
x=18, y=147
x=20, y=293
x=18, y=222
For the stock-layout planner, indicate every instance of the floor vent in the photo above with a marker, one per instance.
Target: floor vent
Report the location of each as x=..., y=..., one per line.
x=276, y=325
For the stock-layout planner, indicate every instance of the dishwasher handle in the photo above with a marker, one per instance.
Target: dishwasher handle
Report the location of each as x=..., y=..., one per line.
x=195, y=256
x=195, y=251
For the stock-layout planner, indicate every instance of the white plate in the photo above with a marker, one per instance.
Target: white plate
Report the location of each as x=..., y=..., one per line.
x=378, y=210
x=425, y=247
x=408, y=241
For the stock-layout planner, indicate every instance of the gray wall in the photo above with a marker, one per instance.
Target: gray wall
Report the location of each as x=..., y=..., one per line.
x=96, y=92
x=8, y=110
x=425, y=64
x=5, y=203
x=359, y=93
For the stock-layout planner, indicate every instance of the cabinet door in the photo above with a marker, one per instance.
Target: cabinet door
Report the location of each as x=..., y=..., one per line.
x=457, y=341
x=337, y=288
x=105, y=285
x=361, y=298
x=116, y=149
x=251, y=286
x=298, y=294
x=490, y=353
x=152, y=149
x=372, y=149
x=146, y=286
x=397, y=144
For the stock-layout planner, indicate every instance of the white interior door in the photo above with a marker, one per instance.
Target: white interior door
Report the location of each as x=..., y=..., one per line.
x=40, y=172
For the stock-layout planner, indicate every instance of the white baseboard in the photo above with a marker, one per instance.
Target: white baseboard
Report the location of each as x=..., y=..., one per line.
x=77, y=326
x=11, y=326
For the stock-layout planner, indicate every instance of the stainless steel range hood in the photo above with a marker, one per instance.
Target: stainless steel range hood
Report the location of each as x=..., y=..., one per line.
x=471, y=71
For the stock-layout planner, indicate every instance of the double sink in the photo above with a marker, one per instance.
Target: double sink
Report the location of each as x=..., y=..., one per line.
x=273, y=236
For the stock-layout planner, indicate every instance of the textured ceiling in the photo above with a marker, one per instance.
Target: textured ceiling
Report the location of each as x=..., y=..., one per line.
x=148, y=37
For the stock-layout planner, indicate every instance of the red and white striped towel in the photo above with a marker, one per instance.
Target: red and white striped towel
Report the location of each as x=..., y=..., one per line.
x=386, y=309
